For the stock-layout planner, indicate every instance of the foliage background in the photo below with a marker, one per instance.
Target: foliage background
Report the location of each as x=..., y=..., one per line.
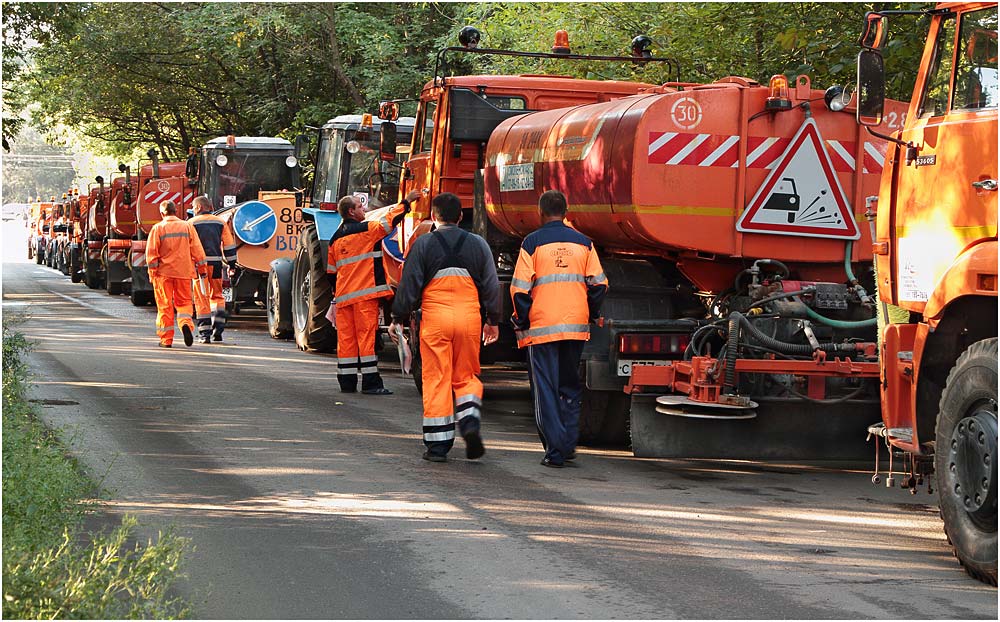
x=128, y=76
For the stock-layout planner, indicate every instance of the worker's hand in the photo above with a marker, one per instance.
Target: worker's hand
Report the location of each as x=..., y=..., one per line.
x=490, y=334
x=413, y=195
x=205, y=270
x=393, y=327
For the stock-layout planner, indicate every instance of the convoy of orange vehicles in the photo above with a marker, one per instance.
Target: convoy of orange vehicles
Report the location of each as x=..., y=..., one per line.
x=738, y=224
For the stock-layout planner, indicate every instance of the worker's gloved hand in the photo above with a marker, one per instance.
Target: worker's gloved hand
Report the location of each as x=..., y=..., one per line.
x=205, y=270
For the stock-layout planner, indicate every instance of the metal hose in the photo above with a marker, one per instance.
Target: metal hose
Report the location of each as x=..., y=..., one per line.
x=732, y=348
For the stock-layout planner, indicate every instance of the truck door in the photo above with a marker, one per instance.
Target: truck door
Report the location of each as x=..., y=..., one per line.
x=954, y=125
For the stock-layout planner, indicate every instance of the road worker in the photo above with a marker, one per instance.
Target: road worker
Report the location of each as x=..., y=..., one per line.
x=357, y=276
x=175, y=257
x=557, y=290
x=450, y=275
x=219, y=245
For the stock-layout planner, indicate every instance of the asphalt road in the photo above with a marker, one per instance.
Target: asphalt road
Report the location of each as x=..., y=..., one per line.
x=305, y=503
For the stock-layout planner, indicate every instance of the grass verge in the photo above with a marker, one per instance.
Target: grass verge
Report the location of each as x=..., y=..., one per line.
x=51, y=569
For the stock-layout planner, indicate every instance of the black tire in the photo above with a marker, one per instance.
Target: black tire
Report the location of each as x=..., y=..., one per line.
x=140, y=298
x=311, y=295
x=90, y=278
x=75, y=272
x=64, y=264
x=965, y=462
x=40, y=254
x=604, y=417
x=279, y=299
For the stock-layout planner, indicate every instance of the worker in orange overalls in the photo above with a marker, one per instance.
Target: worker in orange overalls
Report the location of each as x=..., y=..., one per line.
x=357, y=276
x=174, y=256
x=219, y=244
x=451, y=276
x=557, y=290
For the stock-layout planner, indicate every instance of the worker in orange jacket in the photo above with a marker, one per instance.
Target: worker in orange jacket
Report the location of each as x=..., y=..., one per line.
x=219, y=244
x=357, y=277
x=451, y=276
x=557, y=290
x=174, y=256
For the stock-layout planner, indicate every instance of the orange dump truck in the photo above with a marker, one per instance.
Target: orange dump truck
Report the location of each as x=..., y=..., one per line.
x=936, y=257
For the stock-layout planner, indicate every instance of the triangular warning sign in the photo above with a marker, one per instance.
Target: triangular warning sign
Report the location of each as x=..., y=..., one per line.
x=802, y=195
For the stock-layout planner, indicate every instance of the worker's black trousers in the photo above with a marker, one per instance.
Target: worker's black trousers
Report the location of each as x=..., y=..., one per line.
x=556, y=390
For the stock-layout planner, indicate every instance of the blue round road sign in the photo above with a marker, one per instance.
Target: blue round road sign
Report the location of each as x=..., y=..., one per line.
x=254, y=222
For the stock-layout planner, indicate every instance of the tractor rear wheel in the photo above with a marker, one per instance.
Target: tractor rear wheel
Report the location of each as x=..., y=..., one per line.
x=965, y=462
x=604, y=418
x=311, y=295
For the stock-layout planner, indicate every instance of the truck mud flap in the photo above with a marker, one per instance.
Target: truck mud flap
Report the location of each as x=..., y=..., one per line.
x=784, y=429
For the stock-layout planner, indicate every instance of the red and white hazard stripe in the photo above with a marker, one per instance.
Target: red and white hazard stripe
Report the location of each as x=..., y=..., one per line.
x=138, y=260
x=116, y=255
x=763, y=152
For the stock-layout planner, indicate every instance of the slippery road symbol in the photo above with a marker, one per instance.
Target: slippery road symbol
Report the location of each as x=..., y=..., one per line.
x=802, y=195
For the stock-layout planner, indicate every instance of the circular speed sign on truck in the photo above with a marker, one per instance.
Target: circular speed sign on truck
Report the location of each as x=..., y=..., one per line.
x=254, y=222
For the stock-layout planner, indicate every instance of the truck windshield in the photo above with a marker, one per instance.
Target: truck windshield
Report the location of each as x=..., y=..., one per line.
x=245, y=174
x=370, y=175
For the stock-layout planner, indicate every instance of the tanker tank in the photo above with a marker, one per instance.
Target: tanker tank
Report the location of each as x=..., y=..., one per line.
x=669, y=172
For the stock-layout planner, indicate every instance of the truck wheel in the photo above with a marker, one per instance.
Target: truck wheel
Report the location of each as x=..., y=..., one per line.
x=75, y=275
x=39, y=255
x=604, y=418
x=140, y=298
x=279, y=299
x=311, y=296
x=965, y=461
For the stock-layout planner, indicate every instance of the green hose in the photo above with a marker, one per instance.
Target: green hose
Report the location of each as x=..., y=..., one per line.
x=840, y=323
x=847, y=263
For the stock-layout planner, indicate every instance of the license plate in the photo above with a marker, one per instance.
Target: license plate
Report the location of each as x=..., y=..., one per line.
x=227, y=294
x=625, y=366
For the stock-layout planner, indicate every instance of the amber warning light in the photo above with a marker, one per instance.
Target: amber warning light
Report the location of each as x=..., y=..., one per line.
x=561, y=45
x=777, y=98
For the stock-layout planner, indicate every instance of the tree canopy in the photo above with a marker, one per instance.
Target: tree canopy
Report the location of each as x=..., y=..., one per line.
x=172, y=75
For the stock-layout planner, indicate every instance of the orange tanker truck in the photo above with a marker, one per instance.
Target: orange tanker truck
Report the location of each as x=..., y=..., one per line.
x=95, y=223
x=935, y=252
x=740, y=317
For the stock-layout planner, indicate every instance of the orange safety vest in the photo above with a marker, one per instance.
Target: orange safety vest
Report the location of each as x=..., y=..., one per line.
x=558, y=286
x=174, y=249
x=355, y=259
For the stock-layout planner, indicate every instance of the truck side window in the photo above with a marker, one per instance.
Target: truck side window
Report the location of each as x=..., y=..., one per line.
x=426, y=127
x=976, y=84
x=934, y=102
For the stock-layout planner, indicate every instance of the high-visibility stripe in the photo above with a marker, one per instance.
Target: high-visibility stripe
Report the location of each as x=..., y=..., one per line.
x=519, y=284
x=439, y=436
x=597, y=280
x=154, y=264
x=347, y=362
x=444, y=272
x=464, y=399
x=557, y=328
x=371, y=358
x=372, y=369
x=385, y=224
x=331, y=269
x=201, y=263
x=213, y=258
x=182, y=316
x=558, y=278
x=430, y=421
x=179, y=234
x=357, y=258
x=363, y=292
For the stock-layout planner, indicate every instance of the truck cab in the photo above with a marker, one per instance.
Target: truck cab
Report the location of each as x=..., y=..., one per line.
x=936, y=259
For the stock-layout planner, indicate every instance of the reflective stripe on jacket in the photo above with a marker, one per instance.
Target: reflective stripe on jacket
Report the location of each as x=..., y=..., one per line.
x=558, y=286
x=174, y=249
x=217, y=241
x=354, y=259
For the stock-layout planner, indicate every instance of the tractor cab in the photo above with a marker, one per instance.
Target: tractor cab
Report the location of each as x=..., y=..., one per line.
x=235, y=169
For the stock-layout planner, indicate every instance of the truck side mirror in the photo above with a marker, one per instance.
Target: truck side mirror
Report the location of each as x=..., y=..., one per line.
x=871, y=88
x=874, y=35
x=387, y=141
x=191, y=166
x=302, y=147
